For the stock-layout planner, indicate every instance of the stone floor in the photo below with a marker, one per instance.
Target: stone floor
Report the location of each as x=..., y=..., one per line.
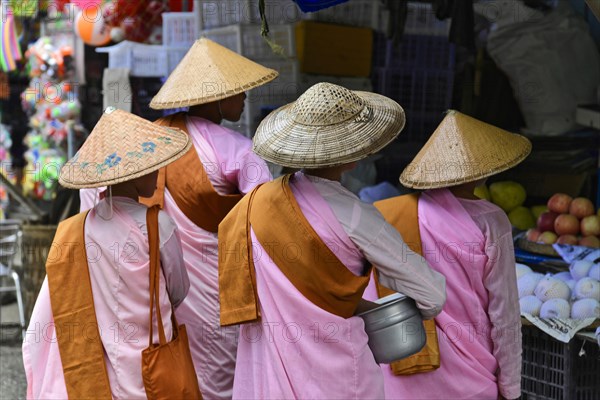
x=13, y=384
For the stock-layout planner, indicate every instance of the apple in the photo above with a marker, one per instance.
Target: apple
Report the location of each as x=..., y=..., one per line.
x=590, y=225
x=581, y=207
x=547, y=237
x=590, y=241
x=545, y=221
x=567, y=239
x=566, y=224
x=559, y=203
x=532, y=235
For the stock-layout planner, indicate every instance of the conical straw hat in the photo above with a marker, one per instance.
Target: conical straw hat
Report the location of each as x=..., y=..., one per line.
x=121, y=147
x=328, y=125
x=463, y=149
x=207, y=73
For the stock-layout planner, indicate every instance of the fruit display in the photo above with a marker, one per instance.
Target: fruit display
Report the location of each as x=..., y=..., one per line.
x=567, y=221
x=570, y=294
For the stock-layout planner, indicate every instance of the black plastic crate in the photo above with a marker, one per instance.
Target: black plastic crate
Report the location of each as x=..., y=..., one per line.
x=555, y=370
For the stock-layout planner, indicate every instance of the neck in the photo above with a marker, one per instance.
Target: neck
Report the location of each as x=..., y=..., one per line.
x=125, y=190
x=332, y=174
x=465, y=191
x=209, y=111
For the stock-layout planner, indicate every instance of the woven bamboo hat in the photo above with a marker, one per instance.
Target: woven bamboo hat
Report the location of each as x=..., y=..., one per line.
x=328, y=125
x=463, y=149
x=207, y=73
x=122, y=147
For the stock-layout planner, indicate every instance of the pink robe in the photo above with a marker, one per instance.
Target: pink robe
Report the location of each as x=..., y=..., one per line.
x=117, y=253
x=479, y=331
x=298, y=350
x=232, y=167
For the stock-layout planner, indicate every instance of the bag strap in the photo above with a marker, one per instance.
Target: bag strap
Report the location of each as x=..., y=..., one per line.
x=153, y=242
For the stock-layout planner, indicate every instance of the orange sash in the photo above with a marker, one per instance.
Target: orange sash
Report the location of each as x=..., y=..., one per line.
x=72, y=302
x=402, y=213
x=189, y=185
x=294, y=246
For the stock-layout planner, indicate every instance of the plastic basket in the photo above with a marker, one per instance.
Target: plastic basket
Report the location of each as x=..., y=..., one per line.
x=360, y=13
x=245, y=39
x=36, y=243
x=421, y=20
x=180, y=29
x=554, y=370
x=219, y=13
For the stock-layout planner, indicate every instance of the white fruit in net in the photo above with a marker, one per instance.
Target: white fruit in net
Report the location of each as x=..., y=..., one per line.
x=552, y=288
x=585, y=308
x=530, y=305
x=522, y=269
x=563, y=276
x=580, y=269
x=555, y=308
x=527, y=283
x=595, y=272
x=587, y=288
x=571, y=284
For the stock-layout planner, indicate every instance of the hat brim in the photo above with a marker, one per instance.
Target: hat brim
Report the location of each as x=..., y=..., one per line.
x=465, y=173
x=282, y=141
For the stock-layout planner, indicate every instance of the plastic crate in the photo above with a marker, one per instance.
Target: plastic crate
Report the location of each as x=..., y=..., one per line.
x=419, y=90
x=555, y=370
x=219, y=13
x=285, y=86
x=148, y=61
x=360, y=13
x=245, y=39
x=352, y=83
x=180, y=29
x=414, y=50
x=142, y=60
x=421, y=20
x=425, y=95
x=174, y=57
x=119, y=55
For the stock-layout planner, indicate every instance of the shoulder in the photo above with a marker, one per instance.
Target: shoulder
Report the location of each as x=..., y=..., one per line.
x=489, y=216
x=220, y=133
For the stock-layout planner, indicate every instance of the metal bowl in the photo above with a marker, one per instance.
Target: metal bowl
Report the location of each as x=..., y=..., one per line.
x=395, y=328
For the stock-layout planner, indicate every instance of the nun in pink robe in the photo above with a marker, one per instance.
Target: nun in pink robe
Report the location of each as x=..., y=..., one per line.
x=232, y=168
x=118, y=259
x=300, y=351
x=479, y=329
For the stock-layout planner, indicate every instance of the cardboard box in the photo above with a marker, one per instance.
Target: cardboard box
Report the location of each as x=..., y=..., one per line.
x=336, y=50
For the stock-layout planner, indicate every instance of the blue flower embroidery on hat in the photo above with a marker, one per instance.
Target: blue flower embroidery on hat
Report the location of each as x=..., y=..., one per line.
x=112, y=160
x=135, y=154
x=148, y=147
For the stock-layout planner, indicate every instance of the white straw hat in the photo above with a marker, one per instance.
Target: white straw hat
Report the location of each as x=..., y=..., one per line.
x=207, y=73
x=328, y=125
x=463, y=149
x=122, y=147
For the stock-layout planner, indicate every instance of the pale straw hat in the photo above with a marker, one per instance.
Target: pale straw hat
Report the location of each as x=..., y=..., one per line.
x=328, y=125
x=122, y=147
x=463, y=149
x=207, y=73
